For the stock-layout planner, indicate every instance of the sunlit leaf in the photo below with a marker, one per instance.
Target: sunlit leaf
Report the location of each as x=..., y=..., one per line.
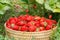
x=3, y=8
x=40, y=1
x=1, y=12
x=5, y=1
x=56, y=10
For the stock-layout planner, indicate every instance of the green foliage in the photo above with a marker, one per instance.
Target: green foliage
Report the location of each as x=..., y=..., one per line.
x=40, y=1
x=52, y=5
x=3, y=6
x=56, y=35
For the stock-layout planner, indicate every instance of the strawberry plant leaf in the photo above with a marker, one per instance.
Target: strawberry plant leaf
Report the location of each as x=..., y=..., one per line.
x=5, y=1
x=56, y=10
x=3, y=8
x=40, y=1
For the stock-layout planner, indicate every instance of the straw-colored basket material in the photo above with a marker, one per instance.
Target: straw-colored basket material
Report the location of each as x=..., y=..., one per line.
x=18, y=35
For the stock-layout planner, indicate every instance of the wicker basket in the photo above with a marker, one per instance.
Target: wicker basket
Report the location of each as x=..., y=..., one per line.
x=18, y=35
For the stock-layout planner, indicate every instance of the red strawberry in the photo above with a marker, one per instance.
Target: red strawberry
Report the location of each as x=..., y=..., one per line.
x=42, y=19
x=50, y=16
x=48, y=27
x=22, y=17
x=32, y=28
x=54, y=21
x=8, y=24
x=13, y=20
x=31, y=23
x=24, y=28
x=26, y=15
x=49, y=22
x=37, y=18
x=42, y=28
x=14, y=27
x=29, y=18
x=43, y=24
x=21, y=23
x=37, y=23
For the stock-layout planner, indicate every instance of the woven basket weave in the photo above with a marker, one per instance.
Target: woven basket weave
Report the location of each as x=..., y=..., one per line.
x=18, y=35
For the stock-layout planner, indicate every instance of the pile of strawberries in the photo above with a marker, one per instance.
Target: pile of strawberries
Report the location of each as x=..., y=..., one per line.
x=30, y=23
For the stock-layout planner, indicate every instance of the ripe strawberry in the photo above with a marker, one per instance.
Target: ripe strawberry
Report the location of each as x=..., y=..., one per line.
x=31, y=23
x=37, y=18
x=22, y=17
x=20, y=23
x=8, y=24
x=42, y=28
x=54, y=21
x=32, y=28
x=50, y=16
x=37, y=23
x=42, y=19
x=48, y=27
x=26, y=15
x=43, y=24
x=13, y=20
x=24, y=28
x=29, y=18
x=49, y=22
x=14, y=27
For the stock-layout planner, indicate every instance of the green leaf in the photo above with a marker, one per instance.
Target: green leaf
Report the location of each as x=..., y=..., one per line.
x=40, y=1
x=24, y=1
x=47, y=6
x=58, y=4
x=5, y=1
x=1, y=37
x=6, y=8
x=3, y=8
x=57, y=10
x=58, y=23
x=1, y=12
x=53, y=5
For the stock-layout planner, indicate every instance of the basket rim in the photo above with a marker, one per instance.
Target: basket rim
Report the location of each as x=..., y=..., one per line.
x=29, y=32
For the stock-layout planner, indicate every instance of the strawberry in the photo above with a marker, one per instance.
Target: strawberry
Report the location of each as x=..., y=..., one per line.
x=49, y=22
x=21, y=23
x=43, y=23
x=13, y=20
x=31, y=23
x=37, y=18
x=22, y=17
x=14, y=27
x=48, y=27
x=8, y=24
x=54, y=21
x=24, y=28
x=32, y=28
x=42, y=19
x=50, y=16
x=41, y=28
x=37, y=23
x=29, y=18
